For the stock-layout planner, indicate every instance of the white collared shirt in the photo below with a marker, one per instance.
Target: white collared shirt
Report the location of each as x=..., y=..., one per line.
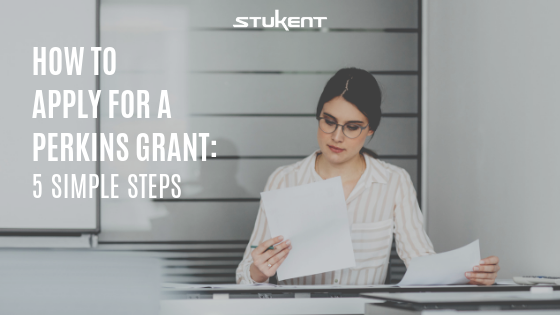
x=382, y=204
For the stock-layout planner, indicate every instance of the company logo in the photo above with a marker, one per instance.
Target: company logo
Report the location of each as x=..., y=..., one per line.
x=275, y=21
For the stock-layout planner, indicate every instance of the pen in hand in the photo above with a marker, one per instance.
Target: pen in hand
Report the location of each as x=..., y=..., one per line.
x=255, y=246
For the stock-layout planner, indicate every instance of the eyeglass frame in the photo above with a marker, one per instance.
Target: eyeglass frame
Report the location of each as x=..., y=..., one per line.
x=336, y=126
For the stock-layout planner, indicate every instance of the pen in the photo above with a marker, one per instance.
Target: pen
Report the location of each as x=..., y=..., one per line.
x=255, y=246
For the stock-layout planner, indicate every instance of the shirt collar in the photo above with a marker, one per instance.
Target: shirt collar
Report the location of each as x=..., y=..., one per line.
x=376, y=172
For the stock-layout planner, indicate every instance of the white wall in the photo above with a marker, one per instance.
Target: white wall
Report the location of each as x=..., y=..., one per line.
x=493, y=149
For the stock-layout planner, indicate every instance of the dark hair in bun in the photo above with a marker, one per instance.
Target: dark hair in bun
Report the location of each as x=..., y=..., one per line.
x=358, y=87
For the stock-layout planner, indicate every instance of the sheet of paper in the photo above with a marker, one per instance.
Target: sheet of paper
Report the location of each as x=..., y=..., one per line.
x=506, y=282
x=185, y=286
x=280, y=287
x=444, y=268
x=314, y=218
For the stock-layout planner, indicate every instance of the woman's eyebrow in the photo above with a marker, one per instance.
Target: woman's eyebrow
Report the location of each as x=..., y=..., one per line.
x=351, y=121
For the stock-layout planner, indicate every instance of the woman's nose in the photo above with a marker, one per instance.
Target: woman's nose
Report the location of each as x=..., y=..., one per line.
x=337, y=135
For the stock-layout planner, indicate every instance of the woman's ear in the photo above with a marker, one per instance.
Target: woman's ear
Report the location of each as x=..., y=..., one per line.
x=370, y=132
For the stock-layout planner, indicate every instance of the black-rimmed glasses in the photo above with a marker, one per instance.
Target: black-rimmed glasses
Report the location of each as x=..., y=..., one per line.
x=350, y=130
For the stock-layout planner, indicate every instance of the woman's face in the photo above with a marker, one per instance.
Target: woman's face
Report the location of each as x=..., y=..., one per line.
x=341, y=111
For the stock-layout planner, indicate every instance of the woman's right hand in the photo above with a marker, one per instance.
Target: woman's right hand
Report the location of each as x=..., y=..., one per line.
x=266, y=261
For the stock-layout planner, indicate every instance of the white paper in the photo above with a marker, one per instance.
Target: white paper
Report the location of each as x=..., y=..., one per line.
x=185, y=286
x=314, y=218
x=505, y=282
x=444, y=268
x=265, y=286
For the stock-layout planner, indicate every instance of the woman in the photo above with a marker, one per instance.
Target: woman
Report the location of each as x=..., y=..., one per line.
x=380, y=197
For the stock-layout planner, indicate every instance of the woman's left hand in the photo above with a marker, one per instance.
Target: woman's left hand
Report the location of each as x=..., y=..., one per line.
x=486, y=272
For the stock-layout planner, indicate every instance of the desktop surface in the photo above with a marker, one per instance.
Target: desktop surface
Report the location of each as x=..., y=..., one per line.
x=336, y=290
x=442, y=298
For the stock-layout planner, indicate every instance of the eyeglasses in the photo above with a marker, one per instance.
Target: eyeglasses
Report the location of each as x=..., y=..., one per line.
x=350, y=130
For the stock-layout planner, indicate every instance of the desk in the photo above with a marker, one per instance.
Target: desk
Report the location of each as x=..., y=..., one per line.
x=293, y=300
x=265, y=306
x=421, y=303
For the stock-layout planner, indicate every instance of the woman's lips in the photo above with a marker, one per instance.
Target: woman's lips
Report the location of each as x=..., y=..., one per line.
x=335, y=149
